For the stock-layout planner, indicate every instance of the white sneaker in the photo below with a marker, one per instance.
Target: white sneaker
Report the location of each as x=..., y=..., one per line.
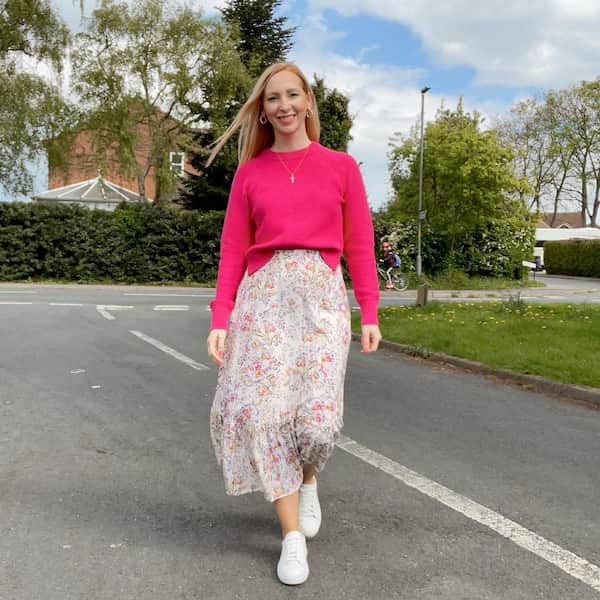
x=309, y=510
x=292, y=568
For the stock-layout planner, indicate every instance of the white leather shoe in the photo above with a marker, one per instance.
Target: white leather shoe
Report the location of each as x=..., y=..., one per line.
x=292, y=568
x=309, y=510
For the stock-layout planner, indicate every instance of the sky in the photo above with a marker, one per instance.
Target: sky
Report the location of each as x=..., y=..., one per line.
x=381, y=53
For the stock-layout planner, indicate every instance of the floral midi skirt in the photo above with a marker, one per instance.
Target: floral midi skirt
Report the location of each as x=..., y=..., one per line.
x=279, y=398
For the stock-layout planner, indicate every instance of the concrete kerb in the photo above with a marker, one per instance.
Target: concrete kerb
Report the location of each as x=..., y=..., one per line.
x=530, y=382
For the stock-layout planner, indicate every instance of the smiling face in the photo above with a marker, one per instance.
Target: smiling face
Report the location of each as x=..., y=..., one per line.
x=285, y=104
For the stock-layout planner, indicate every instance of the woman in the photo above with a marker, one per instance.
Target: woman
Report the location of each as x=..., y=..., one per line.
x=280, y=329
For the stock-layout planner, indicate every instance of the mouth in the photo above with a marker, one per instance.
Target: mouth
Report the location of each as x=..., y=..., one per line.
x=287, y=118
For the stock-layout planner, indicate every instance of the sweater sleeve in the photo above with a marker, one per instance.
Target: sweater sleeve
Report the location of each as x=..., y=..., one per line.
x=359, y=244
x=236, y=238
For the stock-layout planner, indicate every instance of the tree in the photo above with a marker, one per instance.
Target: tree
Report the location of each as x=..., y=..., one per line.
x=556, y=144
x=336, y=121
x=578, y=125
x=139, y=70
x=263, y=38
x=31, y=110
x=467, y=176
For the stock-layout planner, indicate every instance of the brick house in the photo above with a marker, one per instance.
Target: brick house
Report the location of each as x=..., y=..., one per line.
x=84, y=163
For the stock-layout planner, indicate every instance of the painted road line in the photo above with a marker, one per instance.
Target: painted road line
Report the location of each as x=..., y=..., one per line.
x=64, y=304
x=105, y=314
x=16, y=292
x=170, y=351
x=15, y=303
x=172, y=295
x=172, y=307
x=103, y=310
x=570, y=563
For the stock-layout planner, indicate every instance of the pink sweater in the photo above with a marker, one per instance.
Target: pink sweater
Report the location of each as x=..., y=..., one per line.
x=325, y=209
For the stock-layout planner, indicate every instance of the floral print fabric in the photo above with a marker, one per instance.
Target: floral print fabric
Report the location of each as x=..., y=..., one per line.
x=279, y=397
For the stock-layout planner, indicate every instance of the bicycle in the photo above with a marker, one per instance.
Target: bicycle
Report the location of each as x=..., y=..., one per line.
x=399, y=279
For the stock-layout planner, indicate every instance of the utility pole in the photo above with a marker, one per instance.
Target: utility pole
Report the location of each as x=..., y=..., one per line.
x=421, y=215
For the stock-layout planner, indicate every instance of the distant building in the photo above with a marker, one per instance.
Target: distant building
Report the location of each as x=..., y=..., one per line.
x=562, y=220
x=82, y=165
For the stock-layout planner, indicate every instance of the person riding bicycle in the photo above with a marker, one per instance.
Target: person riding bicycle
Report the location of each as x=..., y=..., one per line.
x=391, y=260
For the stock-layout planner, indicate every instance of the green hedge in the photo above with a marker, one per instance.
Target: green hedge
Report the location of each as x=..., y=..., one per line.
x=133, y=244
x=573, y=257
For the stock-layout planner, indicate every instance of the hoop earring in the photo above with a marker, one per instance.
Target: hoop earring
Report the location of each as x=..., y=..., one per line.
x=262, y=120
x=308, y=113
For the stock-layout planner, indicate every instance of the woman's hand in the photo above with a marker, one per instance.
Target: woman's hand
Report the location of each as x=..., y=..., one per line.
x=369, y=339
x=215, y=344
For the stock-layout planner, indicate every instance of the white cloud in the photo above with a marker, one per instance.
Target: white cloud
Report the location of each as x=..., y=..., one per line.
x=548, y=43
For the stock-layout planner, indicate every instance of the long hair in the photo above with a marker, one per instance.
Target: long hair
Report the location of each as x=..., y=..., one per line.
x=254, y=136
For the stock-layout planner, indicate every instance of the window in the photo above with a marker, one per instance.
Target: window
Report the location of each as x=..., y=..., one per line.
x=176, y=161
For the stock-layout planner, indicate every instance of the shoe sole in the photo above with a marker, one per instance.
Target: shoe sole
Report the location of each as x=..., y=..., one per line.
x=298, y=581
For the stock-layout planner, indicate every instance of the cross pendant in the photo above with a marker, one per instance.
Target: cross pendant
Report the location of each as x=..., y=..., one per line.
x=292, y=178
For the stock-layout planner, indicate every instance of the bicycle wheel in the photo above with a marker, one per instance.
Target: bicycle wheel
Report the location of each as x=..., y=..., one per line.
x=399, y=281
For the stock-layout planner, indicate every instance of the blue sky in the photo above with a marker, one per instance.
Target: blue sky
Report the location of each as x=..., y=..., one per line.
x=382, y=52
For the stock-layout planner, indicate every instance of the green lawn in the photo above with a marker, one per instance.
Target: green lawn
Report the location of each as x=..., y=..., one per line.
x=558, y=341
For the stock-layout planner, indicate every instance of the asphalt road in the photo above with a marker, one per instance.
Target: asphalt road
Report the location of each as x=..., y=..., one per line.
x=446, y=487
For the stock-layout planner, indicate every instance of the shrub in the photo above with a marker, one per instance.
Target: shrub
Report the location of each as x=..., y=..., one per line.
x=573, y=257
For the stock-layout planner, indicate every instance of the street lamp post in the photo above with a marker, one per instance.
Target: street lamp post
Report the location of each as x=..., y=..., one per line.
x=420, y=215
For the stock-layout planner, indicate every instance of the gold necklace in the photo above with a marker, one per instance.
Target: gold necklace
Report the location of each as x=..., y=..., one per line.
x=292, y=173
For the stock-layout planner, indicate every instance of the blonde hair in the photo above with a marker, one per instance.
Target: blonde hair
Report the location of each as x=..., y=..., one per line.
x=254, y=136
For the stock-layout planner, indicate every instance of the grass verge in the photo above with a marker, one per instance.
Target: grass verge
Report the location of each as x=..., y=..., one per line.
x=557, y=341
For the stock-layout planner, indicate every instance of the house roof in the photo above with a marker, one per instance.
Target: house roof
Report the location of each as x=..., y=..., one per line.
x=563, y=219
x=96, y=190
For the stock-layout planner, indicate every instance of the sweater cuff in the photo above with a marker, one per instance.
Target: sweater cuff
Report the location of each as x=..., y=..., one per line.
x=368, y=314
x=220, y=315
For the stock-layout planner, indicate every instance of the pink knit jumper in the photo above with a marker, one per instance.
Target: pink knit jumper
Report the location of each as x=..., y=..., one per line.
x=324, y=209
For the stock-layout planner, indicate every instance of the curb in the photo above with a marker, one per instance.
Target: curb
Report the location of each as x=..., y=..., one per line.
x=531, y=382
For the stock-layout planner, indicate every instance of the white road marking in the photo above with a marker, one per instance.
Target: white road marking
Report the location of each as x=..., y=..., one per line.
x=95, y=387
x=77, y=371
x=171, y=307
x=171, y=351
x=103, y=310
x=15, y=303
x=570, y=563
x=16, y=292
x=64, y=304
x=172, y=295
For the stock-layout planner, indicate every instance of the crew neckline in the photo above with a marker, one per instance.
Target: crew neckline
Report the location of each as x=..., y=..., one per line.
x=290, y=153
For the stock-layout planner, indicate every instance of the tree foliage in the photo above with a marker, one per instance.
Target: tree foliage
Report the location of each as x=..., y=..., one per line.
x=263, y=37
x=335, y=118
x=31, y=110
x=32, y=28
x=467, y=176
